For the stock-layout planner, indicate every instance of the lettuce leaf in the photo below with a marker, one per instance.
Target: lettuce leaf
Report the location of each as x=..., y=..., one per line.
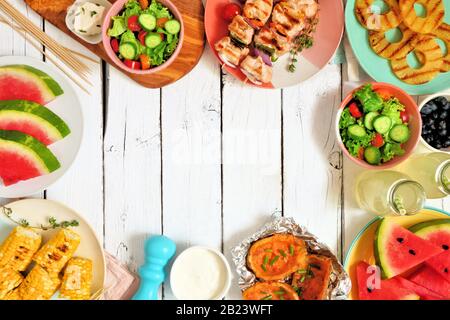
x=392, y=109
x=158, y=10
x=390, y=150
x=346, y=119
x=369, y=99
x=119, y=26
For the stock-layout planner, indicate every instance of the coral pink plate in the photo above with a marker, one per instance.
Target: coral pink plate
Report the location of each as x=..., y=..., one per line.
x=326, y=41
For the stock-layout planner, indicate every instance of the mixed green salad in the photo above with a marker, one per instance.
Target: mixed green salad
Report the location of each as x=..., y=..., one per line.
x=144, y=34
x=374, y=125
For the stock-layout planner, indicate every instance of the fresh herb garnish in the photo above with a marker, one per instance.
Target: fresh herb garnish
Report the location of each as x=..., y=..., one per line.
x=282, y=253
x=52, y=222
x=268, y=297
x=280, y=292
x=268, y=250
x=291, y=249
x=265, y=262
x=301, y=42
x=301, y=271
x=274, y=259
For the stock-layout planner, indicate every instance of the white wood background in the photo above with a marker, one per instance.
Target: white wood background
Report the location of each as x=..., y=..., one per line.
x=207, y=160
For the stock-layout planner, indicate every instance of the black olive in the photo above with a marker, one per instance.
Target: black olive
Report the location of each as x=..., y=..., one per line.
x=426, y=109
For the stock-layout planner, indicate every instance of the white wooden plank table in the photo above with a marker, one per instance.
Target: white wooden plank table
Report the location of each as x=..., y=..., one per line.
x=207, y=160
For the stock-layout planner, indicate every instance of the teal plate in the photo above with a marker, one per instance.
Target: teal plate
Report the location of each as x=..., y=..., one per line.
x=379, y=68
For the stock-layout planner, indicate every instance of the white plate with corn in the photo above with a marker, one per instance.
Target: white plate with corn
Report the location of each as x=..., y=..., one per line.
x=48, y=251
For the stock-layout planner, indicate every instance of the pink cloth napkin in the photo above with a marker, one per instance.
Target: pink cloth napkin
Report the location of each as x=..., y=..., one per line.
x=120, y=284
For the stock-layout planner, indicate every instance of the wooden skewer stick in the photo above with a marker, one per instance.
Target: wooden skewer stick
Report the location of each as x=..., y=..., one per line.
x=66, y=56
x=17, y=28
x=46, y=54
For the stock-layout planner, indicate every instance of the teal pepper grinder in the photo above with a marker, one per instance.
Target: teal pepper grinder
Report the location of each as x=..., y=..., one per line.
x=158, y=251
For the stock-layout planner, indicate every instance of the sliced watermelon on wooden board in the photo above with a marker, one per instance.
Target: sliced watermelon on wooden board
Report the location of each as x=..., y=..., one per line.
x=397, y=249
x=437, y=232
x=388, y=289
x=22, y=157
x=33, y=119
x=22, y=82
x=424, y=293
x=430, y=279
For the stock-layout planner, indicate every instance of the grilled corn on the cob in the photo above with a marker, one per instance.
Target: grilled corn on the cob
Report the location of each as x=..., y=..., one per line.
x=77, y=279
x=9, y=280
x=18, y=249
x=39, y=284
x=57, y=251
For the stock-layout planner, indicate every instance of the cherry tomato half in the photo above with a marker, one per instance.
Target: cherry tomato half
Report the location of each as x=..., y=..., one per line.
x=145, y=61
x=141, y=37
x=354, y=110
x=115, y=45
x=384, y=94
x=404, y=116
x=132, y=64
x=230, y=11
x=133, y=24
x=378, y=141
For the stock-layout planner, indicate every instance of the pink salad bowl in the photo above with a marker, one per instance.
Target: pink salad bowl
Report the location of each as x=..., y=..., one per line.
x=415, y=126
x=114, y=11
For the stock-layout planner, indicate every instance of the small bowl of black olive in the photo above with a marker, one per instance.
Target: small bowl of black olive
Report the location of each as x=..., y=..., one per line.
x=435, y=112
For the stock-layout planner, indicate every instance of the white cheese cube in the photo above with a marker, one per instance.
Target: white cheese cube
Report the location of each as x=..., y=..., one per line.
x=88, y=19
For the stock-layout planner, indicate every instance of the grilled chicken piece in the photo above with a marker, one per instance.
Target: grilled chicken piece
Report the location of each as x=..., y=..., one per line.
x=272, y=42
x=258, y=11
x=241, y=30
x=229, y=53
x=256, y=70
x=290, y=17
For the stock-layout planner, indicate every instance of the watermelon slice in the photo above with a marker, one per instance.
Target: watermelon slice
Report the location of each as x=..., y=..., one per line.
x=437, y=232
x=22, y=157
x=33, y=119
x=430, y=279
x=398, y=249
x=22, y=82
x=389, y=289
x=424, y=293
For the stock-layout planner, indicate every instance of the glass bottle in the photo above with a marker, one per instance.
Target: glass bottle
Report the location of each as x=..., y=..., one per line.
x=389, y=193
x=432, y=171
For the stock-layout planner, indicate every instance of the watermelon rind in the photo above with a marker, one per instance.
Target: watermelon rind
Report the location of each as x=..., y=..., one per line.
x=34, y=112
x=32, y=147
x=422, y=229
x=379, y=258
x=46, y=83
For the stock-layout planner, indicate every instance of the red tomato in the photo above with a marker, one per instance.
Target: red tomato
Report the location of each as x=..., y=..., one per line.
x=354, y=110
x=230, y=11
x=115, y=45
x=141, y=37
x=378, y=141
x=384, y=94
x=404, y=116
x=161, y=22
x=132, y=64
x=361, y=153
x=133, y=24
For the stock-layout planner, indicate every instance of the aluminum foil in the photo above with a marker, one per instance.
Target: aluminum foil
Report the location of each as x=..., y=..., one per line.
x=339, y=285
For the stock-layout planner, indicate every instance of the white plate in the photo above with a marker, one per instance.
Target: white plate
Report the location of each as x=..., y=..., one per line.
x=68, y=107
x=37, y=212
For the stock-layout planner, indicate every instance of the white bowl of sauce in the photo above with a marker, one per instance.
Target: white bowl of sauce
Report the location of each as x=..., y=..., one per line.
x=200, y=273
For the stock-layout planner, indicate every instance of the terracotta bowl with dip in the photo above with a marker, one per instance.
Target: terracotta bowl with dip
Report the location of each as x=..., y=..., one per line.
x=200, y=273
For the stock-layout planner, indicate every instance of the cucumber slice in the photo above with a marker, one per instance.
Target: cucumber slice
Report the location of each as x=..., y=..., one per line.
x=172, y=26
x=400, y=133
x=128, y=50
x=368, y=119
x=356, y=132
x=382, y=124
x=372, y=155
x=147, y=21
x=152, y=40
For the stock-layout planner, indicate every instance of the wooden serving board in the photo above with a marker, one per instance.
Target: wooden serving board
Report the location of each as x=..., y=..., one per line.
x=193, y=44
